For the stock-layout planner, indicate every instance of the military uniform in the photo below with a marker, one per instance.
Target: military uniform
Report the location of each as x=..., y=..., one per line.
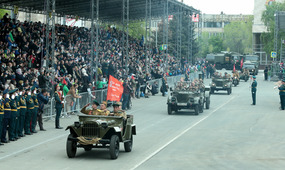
x=282, y=95
x=253, y=90
x=7, y=115
x=1, y=117
x=121, y=113
x=35, y=113
x=58, y=108
x=23, y=110
x=30, y=111
x=93, y=111
x=14, y=110
x=17, y=123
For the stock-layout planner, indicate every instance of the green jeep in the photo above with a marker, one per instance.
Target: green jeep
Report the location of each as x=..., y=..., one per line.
x=93, y=131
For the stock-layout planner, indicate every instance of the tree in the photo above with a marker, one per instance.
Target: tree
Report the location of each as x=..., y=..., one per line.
x=238, y=36
x=269, y=21
x=3, y=12
x=217, y=43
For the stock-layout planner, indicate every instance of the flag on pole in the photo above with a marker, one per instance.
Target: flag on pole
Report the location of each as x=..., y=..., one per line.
x=115, y=89
x=241, y=63
x=234, y=69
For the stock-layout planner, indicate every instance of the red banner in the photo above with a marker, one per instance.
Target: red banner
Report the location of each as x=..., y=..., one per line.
x=115, y=89
x=241, y=63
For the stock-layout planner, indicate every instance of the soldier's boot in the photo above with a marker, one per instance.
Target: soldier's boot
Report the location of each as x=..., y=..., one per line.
x=57, y=124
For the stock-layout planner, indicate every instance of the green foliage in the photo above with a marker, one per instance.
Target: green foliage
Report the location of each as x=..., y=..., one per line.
x=3, y=12
x=217, y=44
x=269, y=21
x=207, y=45
x=238, y=36
x=136, y=28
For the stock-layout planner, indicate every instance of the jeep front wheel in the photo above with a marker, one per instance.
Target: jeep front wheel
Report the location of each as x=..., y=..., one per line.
x=128, y=145
x=114, y=147
x=196, y=109
x=169, y=109
x=71, y=147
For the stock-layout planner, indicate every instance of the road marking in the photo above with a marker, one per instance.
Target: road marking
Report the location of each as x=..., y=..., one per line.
x=179, y=135
x=33, y=146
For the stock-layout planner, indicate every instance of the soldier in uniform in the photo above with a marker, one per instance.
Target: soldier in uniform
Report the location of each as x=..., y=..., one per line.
x=17, y=123
x=1, y=115
x=14, y=110
x=23, y=110
x=30, y=109
x=282, y=94
x=7, y=115
x=35, y=110
x=58, y=106
x=117, y=110
x=103, y=109
x=94, y=110
x=253, y=90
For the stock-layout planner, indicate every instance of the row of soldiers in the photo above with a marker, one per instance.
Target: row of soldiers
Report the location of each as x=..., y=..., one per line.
x=103, y=111
x=18, y=113
x=195, y=85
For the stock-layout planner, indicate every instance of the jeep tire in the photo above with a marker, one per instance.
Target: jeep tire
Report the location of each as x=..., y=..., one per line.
x=71, y=147
x=128, y=145
x=196, y=109
x=114, y=147
x=169, y=109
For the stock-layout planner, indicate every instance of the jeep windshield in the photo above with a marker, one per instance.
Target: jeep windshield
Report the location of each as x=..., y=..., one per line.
x=249, y=66
x=251, y=58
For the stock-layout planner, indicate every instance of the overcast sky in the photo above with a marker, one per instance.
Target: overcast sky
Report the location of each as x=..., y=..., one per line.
x=227, y=6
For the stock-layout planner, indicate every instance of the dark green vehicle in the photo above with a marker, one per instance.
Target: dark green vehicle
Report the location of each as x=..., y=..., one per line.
x=218, y=84
x=93, y=131
x=184, y=96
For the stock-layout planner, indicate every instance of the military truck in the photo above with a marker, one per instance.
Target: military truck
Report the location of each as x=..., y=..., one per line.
x=221, y=60
x=251, y=67
x=185, y=96
x=221, y=83
x=252, y=59
x=93, y=131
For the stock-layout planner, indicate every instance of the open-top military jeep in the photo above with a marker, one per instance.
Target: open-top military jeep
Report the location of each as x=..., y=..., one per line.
x=218, y=84
x=93, y=131
x=185, y=96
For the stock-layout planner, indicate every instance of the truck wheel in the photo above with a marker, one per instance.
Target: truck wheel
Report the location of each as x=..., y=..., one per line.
x=201, y=108
x=169, y=109
x=71, y=147
x=128, y=145
x=114, y=147
x=208, y=103
x=196, y=109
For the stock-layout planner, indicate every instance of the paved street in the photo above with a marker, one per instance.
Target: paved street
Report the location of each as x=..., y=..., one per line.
x=232, y=134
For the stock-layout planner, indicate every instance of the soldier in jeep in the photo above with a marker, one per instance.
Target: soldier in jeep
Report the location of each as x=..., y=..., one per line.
x=94, y=110
x=117, y=110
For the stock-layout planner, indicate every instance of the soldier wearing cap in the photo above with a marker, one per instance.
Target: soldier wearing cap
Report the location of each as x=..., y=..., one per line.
x=117, y=110
x=7, y=115
x=17, y=123
x=282, y=94
x=253, y=90
x=23, y=110
x=103, y=109
x=30, y=109
x=1, y=115
x=14, y=110
x=35, y=110
x=58, y=105
x=94, y=110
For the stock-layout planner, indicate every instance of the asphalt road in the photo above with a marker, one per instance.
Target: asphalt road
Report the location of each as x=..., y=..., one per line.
x=232, y=134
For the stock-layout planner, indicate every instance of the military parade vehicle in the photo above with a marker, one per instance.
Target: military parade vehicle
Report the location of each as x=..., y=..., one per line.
x=92, y=131
x=221, y=60
x=187, y=95
x=221, y=83
x=251, y=67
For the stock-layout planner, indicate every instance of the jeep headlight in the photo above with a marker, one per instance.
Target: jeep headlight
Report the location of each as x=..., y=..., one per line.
x=226, y=85
x=213, y=84
x=77, y=124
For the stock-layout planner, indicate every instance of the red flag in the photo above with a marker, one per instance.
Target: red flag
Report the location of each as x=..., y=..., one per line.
x=115, y=89
x=241, y=63
x=234, y=69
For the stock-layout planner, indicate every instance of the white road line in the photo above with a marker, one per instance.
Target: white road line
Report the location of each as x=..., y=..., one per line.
x=33, y=146
x=179, y=135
